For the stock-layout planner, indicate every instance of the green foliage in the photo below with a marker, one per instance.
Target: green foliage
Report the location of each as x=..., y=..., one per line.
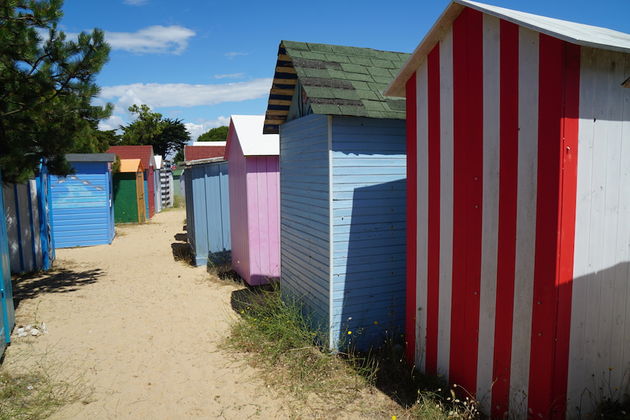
x=215, y=134
x=179, y=156
x=166, y=135
x=48, y=83
x=33, y=396
x=282, y=342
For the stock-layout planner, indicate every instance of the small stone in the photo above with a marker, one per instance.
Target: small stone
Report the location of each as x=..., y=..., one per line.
x=35, y=332
x=28, y=327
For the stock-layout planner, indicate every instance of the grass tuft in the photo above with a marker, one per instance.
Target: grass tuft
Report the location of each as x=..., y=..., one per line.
x=279, y=340
x=33, y=396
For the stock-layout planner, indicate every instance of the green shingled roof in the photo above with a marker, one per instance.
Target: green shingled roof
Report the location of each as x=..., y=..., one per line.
x=337, y=80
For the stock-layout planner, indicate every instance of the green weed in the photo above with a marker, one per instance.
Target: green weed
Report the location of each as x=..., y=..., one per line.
x=33, y=396
x=280, y=340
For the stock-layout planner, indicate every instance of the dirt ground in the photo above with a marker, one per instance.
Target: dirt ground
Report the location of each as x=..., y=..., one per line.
x=139, y=331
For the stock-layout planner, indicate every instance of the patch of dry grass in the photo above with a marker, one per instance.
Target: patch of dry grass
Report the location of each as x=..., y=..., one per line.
x=35, y=395
x=278, y=340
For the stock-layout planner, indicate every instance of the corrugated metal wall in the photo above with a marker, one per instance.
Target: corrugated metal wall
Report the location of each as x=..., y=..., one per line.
x=369, y=229
x=305, y=214
x=207, y=211
x=82, y=206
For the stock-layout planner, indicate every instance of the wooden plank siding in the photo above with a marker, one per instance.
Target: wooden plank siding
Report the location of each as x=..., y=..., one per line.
x=208, y=212
x=599, y=360
x=82, y=206
x=369, y=244
x=305, y=215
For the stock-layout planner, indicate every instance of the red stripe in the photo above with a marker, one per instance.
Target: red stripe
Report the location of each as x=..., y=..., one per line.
x=433, y=262
x=412, y=215
x=559, y=82
x=467, y=196
x=508, y=185
x=568, y=192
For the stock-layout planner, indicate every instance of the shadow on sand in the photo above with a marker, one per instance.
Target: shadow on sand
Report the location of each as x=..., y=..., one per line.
x=57, y=280
x=181, y=248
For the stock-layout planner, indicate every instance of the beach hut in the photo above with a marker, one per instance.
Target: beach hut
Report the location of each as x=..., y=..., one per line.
x=254, y=206
x=166, y=184
x=82, y=204
x=208, y=210
x=145, y=154
x=7, y=318
x=519, y=201
x=129, y=200
x=342, y=188
x=28, y=223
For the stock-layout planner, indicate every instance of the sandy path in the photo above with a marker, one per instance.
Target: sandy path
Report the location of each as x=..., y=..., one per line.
x=142, y=331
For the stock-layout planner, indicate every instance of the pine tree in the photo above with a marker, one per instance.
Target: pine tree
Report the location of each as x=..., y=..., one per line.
x=47, y=87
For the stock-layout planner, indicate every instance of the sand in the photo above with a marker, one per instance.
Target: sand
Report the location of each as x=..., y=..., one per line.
x=140, y=332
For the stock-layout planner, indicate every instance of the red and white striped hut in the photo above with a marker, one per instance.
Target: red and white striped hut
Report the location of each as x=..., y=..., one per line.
x=519, y=209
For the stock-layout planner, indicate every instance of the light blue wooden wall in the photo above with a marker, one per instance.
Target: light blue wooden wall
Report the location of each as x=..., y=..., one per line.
x=343, y=227
x=369, y=229
x=305, y=214
x=82, y=206
x=208, y=211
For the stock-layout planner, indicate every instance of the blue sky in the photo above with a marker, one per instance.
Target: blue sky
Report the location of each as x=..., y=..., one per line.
x=202, y=61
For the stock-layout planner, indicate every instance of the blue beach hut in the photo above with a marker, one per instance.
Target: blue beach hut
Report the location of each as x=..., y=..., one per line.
x=208, y=210
x=342, y=188
x=82, y=203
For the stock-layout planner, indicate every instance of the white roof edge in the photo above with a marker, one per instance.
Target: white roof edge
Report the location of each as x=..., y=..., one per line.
x=575, y=33
x=249, y=130
x=189, y=163
x=208, y=143
x=396, y=87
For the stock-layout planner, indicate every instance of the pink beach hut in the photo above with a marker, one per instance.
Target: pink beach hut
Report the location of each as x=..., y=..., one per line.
x=253, y=165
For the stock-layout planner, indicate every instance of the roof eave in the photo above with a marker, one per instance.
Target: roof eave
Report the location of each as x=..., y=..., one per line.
x=397, y=86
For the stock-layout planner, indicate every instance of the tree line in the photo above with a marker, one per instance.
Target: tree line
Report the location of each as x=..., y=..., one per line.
x=47, y=92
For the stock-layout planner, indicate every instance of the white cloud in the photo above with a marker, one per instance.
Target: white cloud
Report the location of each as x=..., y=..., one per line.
x=158, y=95
x=152, y=39
x=135, y=2
x=233, y=54
x=229, y=76
x=196, y=130
x=112, y=123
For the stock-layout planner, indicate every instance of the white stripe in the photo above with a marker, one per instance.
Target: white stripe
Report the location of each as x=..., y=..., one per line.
x=423, y=214
x=446, y=204
x=581, y=265
x=525, y=219
x=600, y=287
x=490, y=209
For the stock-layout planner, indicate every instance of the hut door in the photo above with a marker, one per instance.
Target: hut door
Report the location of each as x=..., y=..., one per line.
x=140, y=197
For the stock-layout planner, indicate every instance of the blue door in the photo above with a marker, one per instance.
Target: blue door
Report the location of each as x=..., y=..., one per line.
x=6, y=293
